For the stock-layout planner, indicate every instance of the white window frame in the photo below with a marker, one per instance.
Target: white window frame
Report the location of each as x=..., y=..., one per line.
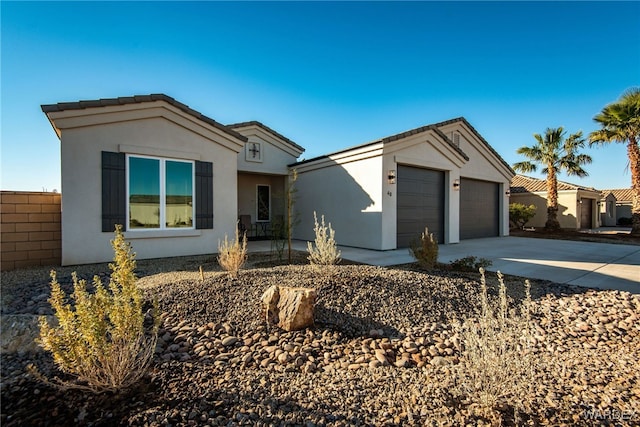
x=163, y=194
x=257, y=203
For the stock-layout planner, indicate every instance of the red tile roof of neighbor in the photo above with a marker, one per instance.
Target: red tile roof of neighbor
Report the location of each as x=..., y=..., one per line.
x=527, y=184
x=621, y=194
x=137, y=99
x=267, y=128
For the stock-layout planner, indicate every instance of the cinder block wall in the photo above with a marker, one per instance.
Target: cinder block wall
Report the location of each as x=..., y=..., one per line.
x=29, y=229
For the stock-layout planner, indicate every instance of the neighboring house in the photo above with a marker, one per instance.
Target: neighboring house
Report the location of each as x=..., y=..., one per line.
x=179, y=181
x=618, y=205
x=382, y=194
x=577, y=206
x=176, y=179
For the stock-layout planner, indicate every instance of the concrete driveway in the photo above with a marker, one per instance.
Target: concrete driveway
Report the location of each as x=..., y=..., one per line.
x=598, y=265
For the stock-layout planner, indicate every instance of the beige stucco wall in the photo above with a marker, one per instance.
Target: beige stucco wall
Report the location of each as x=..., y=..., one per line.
x=275, y=154
x=608, y=211
x=162, y=132
x=348, y=192
x=568, y=207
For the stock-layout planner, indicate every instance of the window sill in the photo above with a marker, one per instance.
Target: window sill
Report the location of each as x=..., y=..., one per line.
x=159, y=234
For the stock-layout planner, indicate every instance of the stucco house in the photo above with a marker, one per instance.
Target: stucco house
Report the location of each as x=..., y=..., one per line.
x=179, y=181
x=577, y=205
x=618, y=205
x=382, y=194
x=176, y=179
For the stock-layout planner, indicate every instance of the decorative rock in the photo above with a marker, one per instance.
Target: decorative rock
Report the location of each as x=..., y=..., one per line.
x=229, y=341
x=439, y=361
x=290, y=308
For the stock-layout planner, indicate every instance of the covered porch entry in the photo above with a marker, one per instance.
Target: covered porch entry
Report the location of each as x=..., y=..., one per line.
x=261, y=205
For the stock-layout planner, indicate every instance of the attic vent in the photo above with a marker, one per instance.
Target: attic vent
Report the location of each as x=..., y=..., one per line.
x=455, y=137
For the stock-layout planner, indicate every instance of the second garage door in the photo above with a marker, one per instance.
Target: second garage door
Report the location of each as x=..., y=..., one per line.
x=479, y=209
x=420, y=203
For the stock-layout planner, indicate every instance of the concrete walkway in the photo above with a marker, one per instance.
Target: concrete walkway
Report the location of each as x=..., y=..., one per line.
x=598, y=265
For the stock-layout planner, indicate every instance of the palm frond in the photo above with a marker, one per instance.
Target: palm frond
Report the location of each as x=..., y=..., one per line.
x=526, y=167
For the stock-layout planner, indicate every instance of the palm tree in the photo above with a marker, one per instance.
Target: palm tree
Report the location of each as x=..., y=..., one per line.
x=620, y=122
x=556, y=154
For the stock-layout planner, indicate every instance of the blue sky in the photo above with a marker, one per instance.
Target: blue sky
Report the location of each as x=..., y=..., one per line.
x=326, y=75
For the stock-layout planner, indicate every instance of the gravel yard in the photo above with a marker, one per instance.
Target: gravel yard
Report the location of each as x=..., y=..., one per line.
x=383, y=351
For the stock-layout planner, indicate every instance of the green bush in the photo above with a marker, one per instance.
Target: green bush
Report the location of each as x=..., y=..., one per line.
x=325, y=251
x=101, y=339
x=425, y=250
x=470, y=263
x=520, y=214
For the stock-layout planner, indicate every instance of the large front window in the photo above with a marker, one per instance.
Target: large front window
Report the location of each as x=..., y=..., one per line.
x=160, y=193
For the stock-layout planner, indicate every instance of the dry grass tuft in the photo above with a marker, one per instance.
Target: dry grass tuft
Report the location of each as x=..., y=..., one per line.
x=497, y=367
x=325, y=251
x=233, y=255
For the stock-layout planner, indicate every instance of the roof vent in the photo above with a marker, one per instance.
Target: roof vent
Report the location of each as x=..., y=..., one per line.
x=455, y=137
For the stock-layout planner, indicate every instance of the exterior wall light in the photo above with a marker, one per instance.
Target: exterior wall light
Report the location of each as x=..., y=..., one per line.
x=508, y=192
x=391, y=177
x=456, y=184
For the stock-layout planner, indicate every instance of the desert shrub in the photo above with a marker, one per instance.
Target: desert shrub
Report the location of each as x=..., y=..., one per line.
x=520, y=214
x=470, y=263
x=625, y=221
x=101, y=339
x=497, y=365
x=232, y=255
x=425, y=250
x=325, y=251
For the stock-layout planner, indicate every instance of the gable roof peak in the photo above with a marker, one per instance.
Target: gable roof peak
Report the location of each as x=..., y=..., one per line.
x=138, y=99
x=266, y=128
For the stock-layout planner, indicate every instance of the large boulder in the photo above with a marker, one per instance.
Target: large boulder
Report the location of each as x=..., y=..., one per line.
x=289, y=308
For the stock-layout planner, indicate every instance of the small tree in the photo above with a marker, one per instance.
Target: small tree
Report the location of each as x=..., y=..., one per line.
x=425, y=250
x=520, y=214
x=326, y=251
x=101, y=341
x=232, y=255
x=291, y=199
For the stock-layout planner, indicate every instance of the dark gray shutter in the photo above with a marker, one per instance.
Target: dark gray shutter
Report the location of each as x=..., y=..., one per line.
x=204, y=195
x=114, y=195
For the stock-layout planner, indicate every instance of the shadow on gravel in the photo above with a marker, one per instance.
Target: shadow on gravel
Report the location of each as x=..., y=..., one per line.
x=349, y=325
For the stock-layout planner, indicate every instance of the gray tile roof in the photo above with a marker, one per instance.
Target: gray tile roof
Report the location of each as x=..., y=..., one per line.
x=433, y=127
x=137, y=99
x=268, y=129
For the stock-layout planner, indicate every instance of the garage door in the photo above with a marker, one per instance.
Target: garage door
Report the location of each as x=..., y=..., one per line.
x=420, y=204
x=479, y=209
x=586, y=213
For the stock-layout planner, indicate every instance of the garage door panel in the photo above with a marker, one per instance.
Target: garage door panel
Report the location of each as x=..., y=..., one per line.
x=479, y=209
x=420, y=203
x=586, y=213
